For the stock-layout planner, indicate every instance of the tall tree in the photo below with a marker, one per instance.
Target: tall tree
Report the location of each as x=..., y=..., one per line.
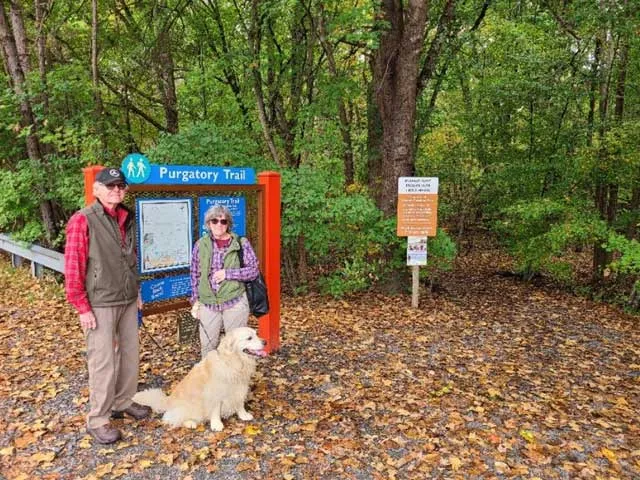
x=402, y=68
x=396, y=68
x=13, y=38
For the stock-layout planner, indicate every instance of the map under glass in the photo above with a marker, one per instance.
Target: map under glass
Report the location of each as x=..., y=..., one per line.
x=165, y=234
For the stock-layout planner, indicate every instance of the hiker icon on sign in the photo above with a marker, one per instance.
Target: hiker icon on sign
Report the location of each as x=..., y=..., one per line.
x=136, y=168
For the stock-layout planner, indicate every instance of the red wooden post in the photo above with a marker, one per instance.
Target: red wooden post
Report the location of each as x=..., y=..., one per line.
x=269, y=324
x=90, y=177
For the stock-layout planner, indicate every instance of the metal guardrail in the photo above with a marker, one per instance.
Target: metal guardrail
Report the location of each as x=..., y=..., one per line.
x=40, y=257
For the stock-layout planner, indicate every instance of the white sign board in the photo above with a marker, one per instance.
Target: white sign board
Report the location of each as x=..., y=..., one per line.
x=417, y=185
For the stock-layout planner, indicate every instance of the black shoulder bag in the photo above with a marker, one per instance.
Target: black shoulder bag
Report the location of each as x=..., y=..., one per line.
x=256, y=290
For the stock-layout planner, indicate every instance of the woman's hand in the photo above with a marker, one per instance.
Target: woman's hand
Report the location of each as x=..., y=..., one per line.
x=219, y=276
x=195, y=310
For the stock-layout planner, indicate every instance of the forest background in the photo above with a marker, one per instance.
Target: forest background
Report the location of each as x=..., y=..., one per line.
x=527, y=111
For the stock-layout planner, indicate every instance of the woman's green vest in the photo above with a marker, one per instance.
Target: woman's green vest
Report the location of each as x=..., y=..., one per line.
x=229, y=289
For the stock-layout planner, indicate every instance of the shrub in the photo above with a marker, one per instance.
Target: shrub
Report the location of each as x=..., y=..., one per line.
x=540, y=232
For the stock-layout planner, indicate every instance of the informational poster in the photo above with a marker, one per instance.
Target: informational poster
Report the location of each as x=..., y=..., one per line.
x=416, y=251
x=237, y=207
x=165, y=288
x=164, y=234
x=417, y=206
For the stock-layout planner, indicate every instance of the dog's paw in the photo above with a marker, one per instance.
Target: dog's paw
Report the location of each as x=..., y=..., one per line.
x=190, y=424
x=216, y=426
x=244, y=415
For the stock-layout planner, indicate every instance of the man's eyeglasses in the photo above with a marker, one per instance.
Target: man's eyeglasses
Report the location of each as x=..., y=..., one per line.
x=119, y=186
x=223, y=221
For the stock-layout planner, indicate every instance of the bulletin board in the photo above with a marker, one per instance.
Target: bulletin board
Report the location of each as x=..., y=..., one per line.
x=169, y=219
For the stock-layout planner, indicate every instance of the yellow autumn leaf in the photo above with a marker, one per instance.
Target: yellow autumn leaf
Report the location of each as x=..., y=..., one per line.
x=443, y=391
x=167, y=459
x=527, y=435
x=455, y=462
x=494, y=393
x=142, y=464
x=7, y=451
x=42, y=457
x=85, y=443
x=119, y=472
x=252, y=430
x=203, y=453
x=611, y=456
x=104, y=469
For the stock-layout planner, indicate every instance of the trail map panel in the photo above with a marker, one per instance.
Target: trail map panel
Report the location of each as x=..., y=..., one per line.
x=165, y=234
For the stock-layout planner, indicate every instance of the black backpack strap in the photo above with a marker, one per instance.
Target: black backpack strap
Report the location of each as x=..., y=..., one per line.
x=241, y=253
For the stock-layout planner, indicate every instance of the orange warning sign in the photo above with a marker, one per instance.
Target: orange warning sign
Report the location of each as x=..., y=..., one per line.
x=417, y=206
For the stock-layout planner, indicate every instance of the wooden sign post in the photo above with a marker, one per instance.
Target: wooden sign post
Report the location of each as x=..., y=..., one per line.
x=417, y=219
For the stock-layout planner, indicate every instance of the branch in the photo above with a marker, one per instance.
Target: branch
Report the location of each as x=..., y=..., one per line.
x=563, y=23
x=132, y=107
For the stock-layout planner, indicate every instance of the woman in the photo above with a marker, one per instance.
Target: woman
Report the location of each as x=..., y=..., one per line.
x=218, y=294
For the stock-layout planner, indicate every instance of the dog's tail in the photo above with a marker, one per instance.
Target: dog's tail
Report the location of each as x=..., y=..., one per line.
x=154, y=398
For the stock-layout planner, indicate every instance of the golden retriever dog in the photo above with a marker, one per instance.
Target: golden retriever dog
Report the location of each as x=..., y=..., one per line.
x=215, y=388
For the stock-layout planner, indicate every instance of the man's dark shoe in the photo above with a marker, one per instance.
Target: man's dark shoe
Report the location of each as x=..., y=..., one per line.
x=105, y=434
x=134, y=410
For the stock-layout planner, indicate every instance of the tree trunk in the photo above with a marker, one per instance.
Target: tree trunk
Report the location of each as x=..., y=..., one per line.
x=345, y=127
x=395, y=78
x=14, y=45
x=606, y=192
x=255, y=41
x=166, y=77
x=634, y=207
x=374, y=146
x=95, y=76
x=41, y=43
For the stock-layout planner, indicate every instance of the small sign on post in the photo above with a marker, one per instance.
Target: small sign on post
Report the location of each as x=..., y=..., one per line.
x=417, y=220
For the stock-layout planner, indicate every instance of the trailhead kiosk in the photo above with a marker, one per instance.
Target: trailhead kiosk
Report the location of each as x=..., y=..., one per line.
x=170, y=201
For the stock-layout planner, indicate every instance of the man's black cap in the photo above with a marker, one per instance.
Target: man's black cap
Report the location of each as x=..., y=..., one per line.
x=110, y=175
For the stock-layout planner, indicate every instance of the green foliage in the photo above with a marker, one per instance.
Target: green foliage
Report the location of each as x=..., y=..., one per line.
x=208, y=144
x=19, y=205
x=344, y=233
x=354, y=276
x=444, y=153
x=30, y=183
x=441, y=253
x=628, y=261
x=540, y=233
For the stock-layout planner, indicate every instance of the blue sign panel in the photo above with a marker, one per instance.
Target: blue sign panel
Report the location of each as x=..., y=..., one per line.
x=237, y=207
x=136, y=168
x=165, y=288
x=196, y=175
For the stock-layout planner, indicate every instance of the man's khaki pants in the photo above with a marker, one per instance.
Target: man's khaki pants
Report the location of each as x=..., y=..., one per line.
x=113, y=358
x=211, y=322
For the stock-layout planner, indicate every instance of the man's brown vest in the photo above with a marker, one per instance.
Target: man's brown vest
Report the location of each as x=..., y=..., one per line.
x=112, y=274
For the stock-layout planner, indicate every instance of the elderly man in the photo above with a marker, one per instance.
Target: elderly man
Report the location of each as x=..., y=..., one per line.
x=101, y=282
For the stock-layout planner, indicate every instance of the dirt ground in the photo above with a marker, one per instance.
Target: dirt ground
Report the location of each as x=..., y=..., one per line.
x=490, y=378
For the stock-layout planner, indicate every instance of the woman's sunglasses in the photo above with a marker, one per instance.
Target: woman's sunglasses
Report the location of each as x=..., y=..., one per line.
x=223, y=221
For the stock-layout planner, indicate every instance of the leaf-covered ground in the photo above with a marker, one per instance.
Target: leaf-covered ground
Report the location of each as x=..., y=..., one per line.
x=490, y=378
